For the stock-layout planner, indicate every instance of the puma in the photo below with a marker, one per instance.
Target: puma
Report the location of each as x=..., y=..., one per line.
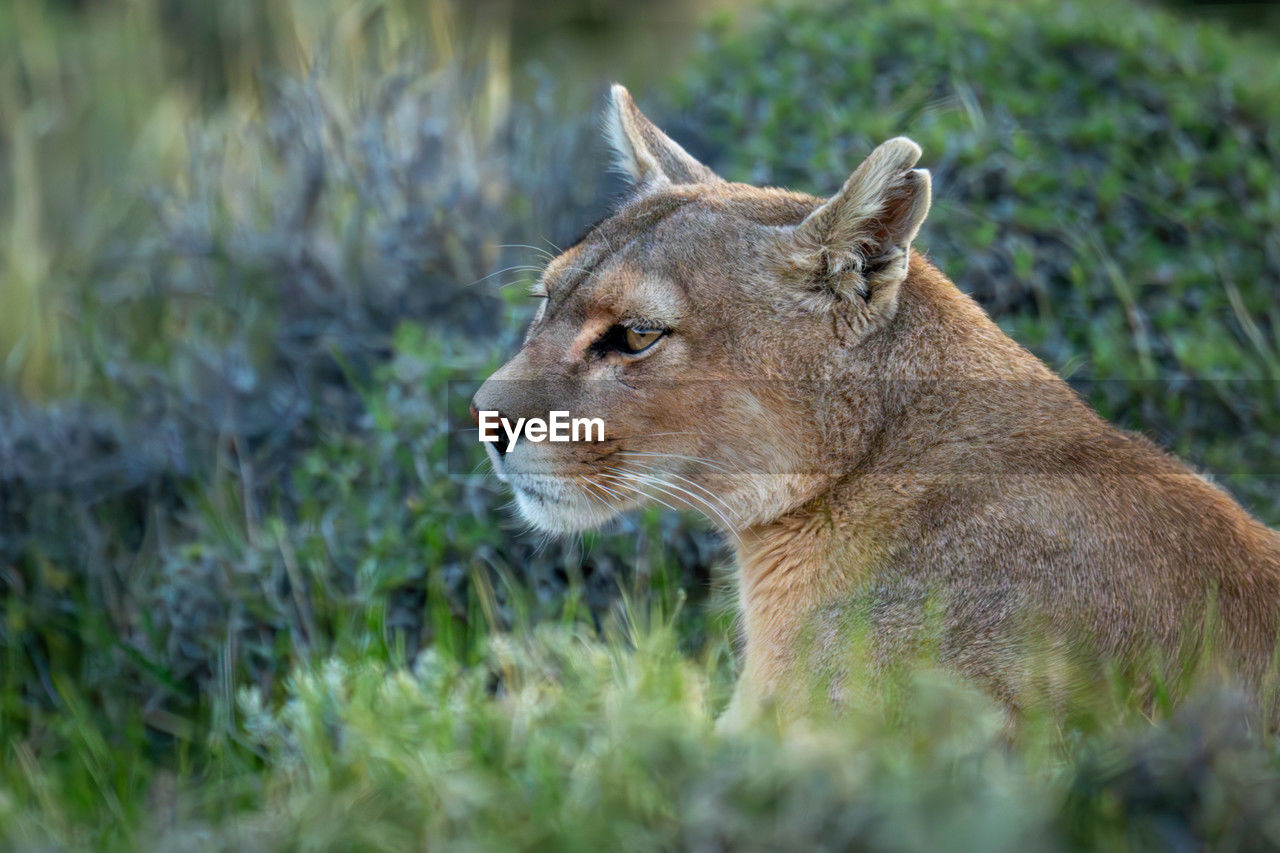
x=861, y=431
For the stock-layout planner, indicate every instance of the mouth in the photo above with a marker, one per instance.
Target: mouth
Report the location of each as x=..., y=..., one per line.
x=531, y=491
x=495, y=462
x=563, y=509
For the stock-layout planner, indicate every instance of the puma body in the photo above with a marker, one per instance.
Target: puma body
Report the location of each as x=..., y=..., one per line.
x=864, y=434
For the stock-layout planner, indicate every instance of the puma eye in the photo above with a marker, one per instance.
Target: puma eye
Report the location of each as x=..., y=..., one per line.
x=629, y=340
x=640, y=339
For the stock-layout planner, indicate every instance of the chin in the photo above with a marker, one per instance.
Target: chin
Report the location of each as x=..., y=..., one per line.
x=564, y=512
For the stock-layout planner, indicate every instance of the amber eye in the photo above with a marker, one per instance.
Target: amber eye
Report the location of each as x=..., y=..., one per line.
x=628, y=340
x=640, y=339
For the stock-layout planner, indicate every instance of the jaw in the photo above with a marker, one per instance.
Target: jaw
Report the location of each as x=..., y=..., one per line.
x=561, y=506
x=552, y=506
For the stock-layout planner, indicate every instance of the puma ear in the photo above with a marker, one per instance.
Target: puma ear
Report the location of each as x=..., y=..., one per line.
x=860, y=238
x=645, y=153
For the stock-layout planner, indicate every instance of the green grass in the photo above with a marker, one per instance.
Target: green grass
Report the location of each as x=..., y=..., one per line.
x=253, y=595
x=566, y=737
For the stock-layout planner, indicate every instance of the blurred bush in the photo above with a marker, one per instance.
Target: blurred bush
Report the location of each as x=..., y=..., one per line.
x=241, y=460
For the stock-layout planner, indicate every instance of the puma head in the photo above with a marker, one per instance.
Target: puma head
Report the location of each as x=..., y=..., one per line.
x=702, y=322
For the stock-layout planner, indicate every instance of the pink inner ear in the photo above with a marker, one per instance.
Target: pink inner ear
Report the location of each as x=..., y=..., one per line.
x=902, y=209
x=894, y=220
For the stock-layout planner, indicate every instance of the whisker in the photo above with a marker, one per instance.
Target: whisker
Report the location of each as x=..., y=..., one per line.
x=521, y=267
x=711, y=496
x=712, y=501
x=590, y=494
x=605, y=488
x=711, y=508
x=656, y=455
x=650, y=470
x=630, y=484
x=716, y=509
x=543, y=252
x=589, y=273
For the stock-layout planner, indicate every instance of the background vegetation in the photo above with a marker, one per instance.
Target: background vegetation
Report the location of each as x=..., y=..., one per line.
x=253, y=595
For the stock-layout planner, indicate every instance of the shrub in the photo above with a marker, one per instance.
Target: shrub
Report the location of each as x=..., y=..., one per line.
x=559, y=740
x=254, y=467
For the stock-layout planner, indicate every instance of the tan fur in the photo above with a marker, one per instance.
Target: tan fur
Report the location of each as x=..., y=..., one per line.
x=863, y=432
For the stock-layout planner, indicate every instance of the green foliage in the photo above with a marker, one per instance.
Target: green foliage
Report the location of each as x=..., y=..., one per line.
x=1104, y=184
x=558, y=738
x=249, y=467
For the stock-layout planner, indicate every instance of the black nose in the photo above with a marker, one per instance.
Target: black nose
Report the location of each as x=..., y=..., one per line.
x=501, y=444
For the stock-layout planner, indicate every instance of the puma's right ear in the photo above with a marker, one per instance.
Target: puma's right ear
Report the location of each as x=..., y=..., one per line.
x=650, y=157
x=860, y=238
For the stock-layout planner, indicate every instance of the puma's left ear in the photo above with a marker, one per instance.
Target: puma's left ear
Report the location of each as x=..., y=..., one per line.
x=645, y=153
x=860, y=238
